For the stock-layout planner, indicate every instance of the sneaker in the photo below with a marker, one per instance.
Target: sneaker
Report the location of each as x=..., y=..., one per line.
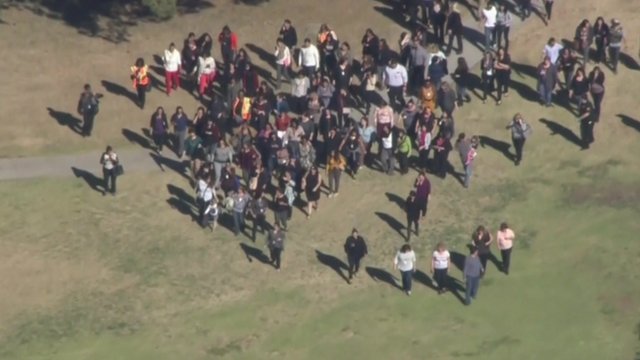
x=409, y=293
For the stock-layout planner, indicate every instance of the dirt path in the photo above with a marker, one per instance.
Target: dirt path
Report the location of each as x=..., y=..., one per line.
x=143, y=160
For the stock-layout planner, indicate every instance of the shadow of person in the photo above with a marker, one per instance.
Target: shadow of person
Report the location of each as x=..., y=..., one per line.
x=393, y=14
x=396, y=199
x=424, y=279
x=498, y=145
x=474, y=37
x=629, y=121
x=524, y=69
x=525, y=91
x=264, y=55
x=334, y=263
x=94, y=182
x=119, y=90
x=134, y=137
x=182, y=202
x=380, y=275
x=392, y=222
x=557, y=129
x=175, y=165
x=66, y=119
x=254, y=253
x=457, y=259
x=457, y=288
x=629, y=61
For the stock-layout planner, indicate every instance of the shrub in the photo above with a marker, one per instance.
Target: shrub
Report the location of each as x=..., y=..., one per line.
x=161, y=9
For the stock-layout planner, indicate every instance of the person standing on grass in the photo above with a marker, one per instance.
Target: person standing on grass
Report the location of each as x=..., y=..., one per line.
x=281, y=209
x=584, y=39
x=413, y=209
x=356, y=248
x=488, y=16
x=454, y=29
x=396, y=80
x=442, y=147
x=467, y=150
x=311, y=183
x=258, y=211
x=462, y=80
x=579, y=88
x=159, y=127
x=88, y=106
x=601, y=37
x=240, y=202
x=487, y=67
x=172, y=61
x=282, y=54
x=503, y=73
x=289, y=37
x=503, y=25
x=204, y=196
x=596, y=88
x=206, y=74
x=567, y=64
x=587, y=118
x=440, y=267
x=447, y=98
x=109, y=161
x=228, y=48
x=404, y=151
x=616, y=42
x=547, y=79
x=309, y=59
x=472, y=272
x=275, y=243
x=505, y=237
x=405, y=262
x=520, y=131
x=552, y=49
x=386, y=151
x=548, y=7
x=194, y=151
x=481, y=240
x=335, y=166
x=353, y=149
x=180, y=123
x=141, y=81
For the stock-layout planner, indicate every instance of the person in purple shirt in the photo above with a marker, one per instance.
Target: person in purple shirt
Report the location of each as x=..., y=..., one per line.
x=423, y=192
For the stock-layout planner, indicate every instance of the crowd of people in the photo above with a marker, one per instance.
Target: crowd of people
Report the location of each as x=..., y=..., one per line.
x=252, y=148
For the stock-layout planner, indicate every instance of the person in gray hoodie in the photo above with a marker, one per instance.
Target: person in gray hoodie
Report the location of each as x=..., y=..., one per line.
x=418, y=60
x=520, y=130
x=472, y=272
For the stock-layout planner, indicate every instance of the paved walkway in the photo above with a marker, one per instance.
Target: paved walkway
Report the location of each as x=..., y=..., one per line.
x=143, y=160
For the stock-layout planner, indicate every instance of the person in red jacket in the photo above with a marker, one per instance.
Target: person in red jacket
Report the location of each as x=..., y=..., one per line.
x=228, y=48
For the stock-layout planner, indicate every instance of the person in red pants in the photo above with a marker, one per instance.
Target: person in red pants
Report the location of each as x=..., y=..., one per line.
x=172, y=63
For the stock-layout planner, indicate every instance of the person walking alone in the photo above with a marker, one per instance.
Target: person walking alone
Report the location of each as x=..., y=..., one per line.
x=504, y=239
x=109, y=161
x=440, y=267
x=88, y=106
x=472, y=272
x=141, y=81
x=405, y=262
x=356, y=248
x=520, y=131
x=413, y=209
x=275, y=243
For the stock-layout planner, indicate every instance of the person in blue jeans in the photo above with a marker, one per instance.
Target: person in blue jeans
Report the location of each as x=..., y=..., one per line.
x=472, y=272
x=240, y=201
x=547, y=80
x=405, y=261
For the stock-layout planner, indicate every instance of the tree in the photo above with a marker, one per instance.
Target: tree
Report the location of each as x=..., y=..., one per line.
x=162, y=9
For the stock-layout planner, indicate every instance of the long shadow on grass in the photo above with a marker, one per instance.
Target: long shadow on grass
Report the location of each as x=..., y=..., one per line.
x=498, y=145
x=630, y=122
x=380, y=275
x=134, y=137
x=457, y=259
x=94, y=182
x=119, y=90
x=175, y=165
x=557, y=129
x=424, y=279
x=182, y=201
x=254, y=253
x=66, y=119
x=392, y=222
x=334, y=263
x=396, y=199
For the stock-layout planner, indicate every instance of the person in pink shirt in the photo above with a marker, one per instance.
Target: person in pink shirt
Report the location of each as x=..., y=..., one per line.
x=505, y=239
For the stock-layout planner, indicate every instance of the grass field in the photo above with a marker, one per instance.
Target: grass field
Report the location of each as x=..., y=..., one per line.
x=132, y=277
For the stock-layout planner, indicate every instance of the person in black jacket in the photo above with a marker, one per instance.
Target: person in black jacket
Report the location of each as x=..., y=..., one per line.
x=88, y=108
x=275, y=243
x=413, y=209
x=258, y=210
x=454, y=29
x=289, y=35
x=356, y=248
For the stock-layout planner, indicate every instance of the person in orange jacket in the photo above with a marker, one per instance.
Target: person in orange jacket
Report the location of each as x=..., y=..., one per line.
x=140, y=77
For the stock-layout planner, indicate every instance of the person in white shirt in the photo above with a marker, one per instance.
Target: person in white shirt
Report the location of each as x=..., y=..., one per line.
x=211, y=214
x=283, y=62
x=299, y=91
x=204, y=196
x=489, y=15
x=172, y=63
x=552, y=50
x=505, y=239
x=396, y=79
x=109, y=161
x=440, y=266
x=206, y=73
x=386, y=150
x=309, y=58
x=405, y=261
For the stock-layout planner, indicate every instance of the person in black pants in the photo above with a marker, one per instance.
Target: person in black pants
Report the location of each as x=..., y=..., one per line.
x=258, y=211
x=548, y=6
x=414, y=210
x=454, y=29
x=356, y=248
x=520, y=130
x=275, y=243
x=587, y=121
x=88, y=108
x=482, y=239
x=596, y=89
x=109, y=161
x=487, y=66
x=503, y=73
x=281, y=209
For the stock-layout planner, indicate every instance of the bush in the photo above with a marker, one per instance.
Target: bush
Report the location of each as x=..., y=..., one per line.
x=161, y=9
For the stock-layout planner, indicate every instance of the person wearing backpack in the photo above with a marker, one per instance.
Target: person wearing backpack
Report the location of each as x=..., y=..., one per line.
x=109, y=161
x=88, y=108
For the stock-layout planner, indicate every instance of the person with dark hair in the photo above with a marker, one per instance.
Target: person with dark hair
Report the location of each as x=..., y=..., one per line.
x=438, y=19
x=418, y=64
x=370, y=44
x=159, y=128
x=311, y=183
x=281, y=209
x=461, y=78
x=548, y=7
x=275, y=243
x=240, y=202
x=172, y=61
x=547, y=79
x=204, y=196
x=403, y=151
x=180, y=123
x=520, y=131
x=396, y=80
x=616, y=42
x=141, y=81
x=356, y=248
x=488, y=68
x=440, y=266
x=583, y=39
x=335, y=166
x=206, y=74
x=447, y=98
x=88, y=106
x=503, y=73
x=596, y=89
x=405, y=262
x=471, y=274
x=488, y=15
x=441, y=147
x=601, y=37
x=503, y=25
x=504, y=240
x=587, y=118
x=228, y=48
x=109, y=161
x=567, y=64
x=454, y=29
x=289, y=37
x=386, y=150
x=204, y=43
x=283, y=57
x=467, y=150
x=413, y=209
x=258, y=210
x=193, y=150
x=481, y=240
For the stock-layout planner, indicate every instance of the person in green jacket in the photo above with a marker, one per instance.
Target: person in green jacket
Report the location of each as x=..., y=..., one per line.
x=404, y=151
x=193, y=149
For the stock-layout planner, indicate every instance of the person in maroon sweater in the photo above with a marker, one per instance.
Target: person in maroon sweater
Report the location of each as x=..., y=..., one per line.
x=423, y=192
x=249, y=159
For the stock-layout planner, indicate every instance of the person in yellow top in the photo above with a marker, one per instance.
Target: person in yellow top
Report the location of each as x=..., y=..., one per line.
x=140, y=77
x=335, y=166
x=428, y=95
